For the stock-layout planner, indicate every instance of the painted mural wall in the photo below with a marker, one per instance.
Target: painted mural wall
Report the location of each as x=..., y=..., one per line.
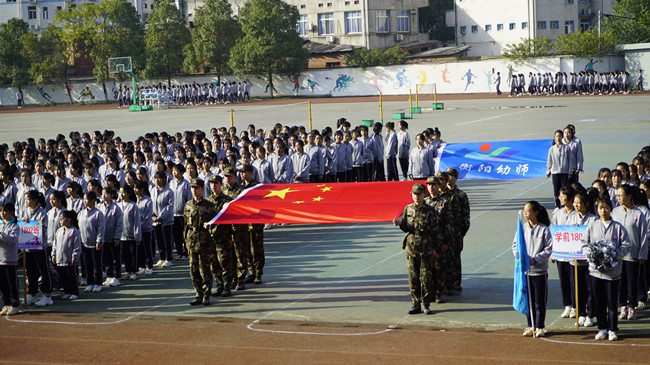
x=446, y=78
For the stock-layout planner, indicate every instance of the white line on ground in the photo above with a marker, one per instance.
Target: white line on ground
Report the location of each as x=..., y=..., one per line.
x=494, y=117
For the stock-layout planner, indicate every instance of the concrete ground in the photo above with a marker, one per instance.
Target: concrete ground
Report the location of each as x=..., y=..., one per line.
x=356, y=273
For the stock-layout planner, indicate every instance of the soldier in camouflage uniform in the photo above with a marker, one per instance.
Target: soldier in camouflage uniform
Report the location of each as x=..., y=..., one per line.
x=200, y=247
x=256, y=231
x=240, y=237
x=463, y=203
x=420, y=221
x=223, y=265
x=445, y=216
x=453, y=244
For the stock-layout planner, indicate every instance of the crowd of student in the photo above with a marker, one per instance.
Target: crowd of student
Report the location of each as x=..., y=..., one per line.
x=112, y=207
x=581, y=83
x=615, y=209
x=188, y=94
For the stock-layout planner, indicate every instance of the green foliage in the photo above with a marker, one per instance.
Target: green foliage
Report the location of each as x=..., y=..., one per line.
x=432, y=20
x=14, y=67
x=528, y=48
x=109, y=29
x=165, y=36
x=630, y=22
x=213, y=36
x=374, y=57
x=270, y=44
x=585, y=44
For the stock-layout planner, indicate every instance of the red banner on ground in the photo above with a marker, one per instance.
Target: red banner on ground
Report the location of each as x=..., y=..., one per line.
x=318, y=203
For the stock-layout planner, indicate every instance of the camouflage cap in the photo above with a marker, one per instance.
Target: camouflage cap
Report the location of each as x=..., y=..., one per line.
x=433, y=180
x=215, y=178
x=418, y=189
x=246, y=167
x=197, y=182
x=229, y=171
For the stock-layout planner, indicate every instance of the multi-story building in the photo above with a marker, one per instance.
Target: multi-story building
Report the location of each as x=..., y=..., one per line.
x=362, y=23
x=489, y=25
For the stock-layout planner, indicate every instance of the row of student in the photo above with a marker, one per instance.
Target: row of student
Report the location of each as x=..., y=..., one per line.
x=582, y=83
x=600, y=293
x=194, y=94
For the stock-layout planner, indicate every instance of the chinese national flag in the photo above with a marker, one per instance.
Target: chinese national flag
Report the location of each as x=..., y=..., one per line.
x=318, y=203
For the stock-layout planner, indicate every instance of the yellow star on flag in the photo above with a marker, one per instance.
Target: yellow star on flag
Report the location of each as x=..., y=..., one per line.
x=298, y=202
x=318, y=199
x=280, y=193
x=327, y=188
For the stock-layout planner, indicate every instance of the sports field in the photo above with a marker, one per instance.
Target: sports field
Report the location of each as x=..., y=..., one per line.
x=339, y=293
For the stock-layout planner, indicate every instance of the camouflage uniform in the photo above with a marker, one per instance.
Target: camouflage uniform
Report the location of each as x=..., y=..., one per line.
x=421, y=224
x=443, y=259
x=240, y=238
x=453, y=270
x=223, y=265
x=463, y=225
x=256, y=256
x=199, y=244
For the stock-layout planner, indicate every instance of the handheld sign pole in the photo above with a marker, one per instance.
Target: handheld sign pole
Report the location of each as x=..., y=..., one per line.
x=25, y=278
x=576, y=281
x=310, y=128
x=232, y=119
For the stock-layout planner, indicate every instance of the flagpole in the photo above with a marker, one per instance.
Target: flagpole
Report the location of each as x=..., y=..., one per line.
x=576, y=281
x=530, y=303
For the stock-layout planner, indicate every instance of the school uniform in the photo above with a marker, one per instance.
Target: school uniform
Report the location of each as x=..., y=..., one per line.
x=9, y=232
x=131, y=235
x=391, y=156
x=145, y=249
x=283, y=169
x=316, y=164
x=403, y=148
x=301, y=167
x=163, y=208
x=562, y=217
x=358, y=156
x=636, y=225
x=66, y=247
x=378, y=145
x=113, y=226
x=558, y=165
x=264, y=171
x=77, y=205
x=91, y=228
x=539, y=245
x=342, y=161
x=182, y=194
x=585, y=305
x=605, y=284
x=420, y=163
x=37, y=261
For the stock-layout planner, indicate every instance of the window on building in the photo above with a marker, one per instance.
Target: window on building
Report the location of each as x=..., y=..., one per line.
x=332, y=64
x=383, y=21
x=524, y=25
x=474, y=28
x=555, y=24
x=46, y=15
x=31, y=12
x=568, y=2
x=145, y=5
x=302, y=26
x=11, y=1
x=585, y=25
x=488, y=27
x=404, y=21
x=541, y=24
x=463, y=29
x=569, y=27
x=326, y=23
x=499, y=27
x=151, y=6
x=58, y=8
x=353, y=21
x=511, y=26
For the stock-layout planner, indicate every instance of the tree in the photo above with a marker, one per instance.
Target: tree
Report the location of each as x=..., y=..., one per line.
x=374, y=57
x=270, y=44
x=14, y=67
x=432, y=20
x=110, y=29
x=585, y=44
x=630, y=22
x=166, y=34
x=528, y=48
x=47, y=56
x=213, y=36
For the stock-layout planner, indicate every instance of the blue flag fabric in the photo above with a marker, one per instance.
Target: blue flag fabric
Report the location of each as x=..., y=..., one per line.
x=505, y=160
x=522, y=264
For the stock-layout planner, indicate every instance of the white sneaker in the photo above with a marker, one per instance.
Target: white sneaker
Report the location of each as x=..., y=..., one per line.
x=65, y=296
x=31, y=299
x=581, y=321
x=167, y=264
x=89, y=288
x=5, y=309
x=268, y=226
x=540, y=332
x=83, y=282
x=12, y=311
x=125, y=276
x=623, y=314
x=567, y=311
x=133, y=276
x=631, y=314
x=73, y=297
x=115, y=282
x=44, y=301
x=528, y=332
x=107, y=282
x=148, y=271
x=159, y=263
x=572, y=313
x=601, y=335
x=589, y=322
x=612, y=336
x=640, y=306
x=97, y=289
x=142, y=271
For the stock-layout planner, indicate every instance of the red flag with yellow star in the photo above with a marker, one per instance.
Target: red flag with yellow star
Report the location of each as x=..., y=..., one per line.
x=318, y=203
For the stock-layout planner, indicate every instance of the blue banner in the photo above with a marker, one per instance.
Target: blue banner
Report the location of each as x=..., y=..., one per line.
x=522, y=264
x=505, y=160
